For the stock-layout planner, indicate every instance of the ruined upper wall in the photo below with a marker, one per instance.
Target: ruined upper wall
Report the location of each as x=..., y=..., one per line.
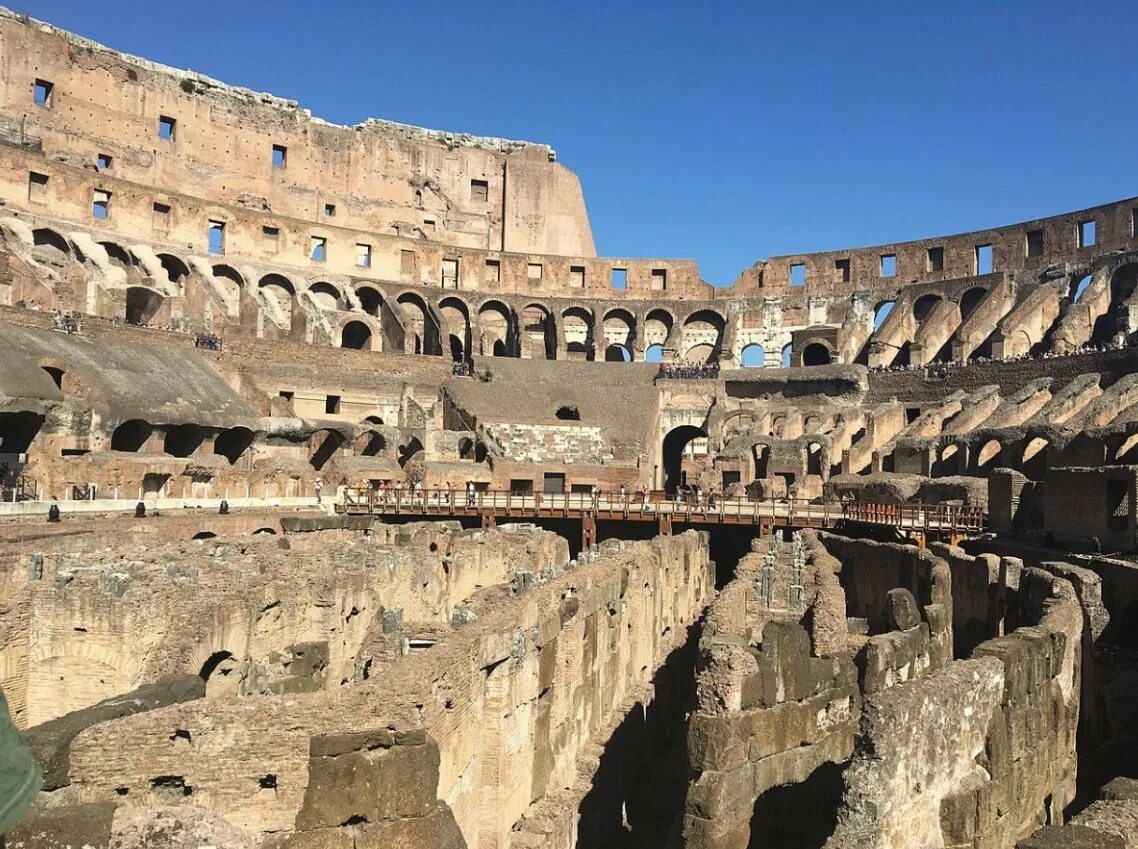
x=380, y=176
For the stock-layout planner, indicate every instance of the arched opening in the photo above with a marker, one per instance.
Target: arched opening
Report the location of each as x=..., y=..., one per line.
x=44, y=237
x=657, y=327
x=56, y=374
x=229, y=281
x=278, y=292
x=202, y=535
x=176, y=270
x=815, y=354
x=970, y=300
x=355, y=335
x=322, y=446
x=924, y=306
x=785, y=356
x=118, y=255
x=409, y=451
x=1079, y=287
x=232, y=443
x=814, y=459
x=577, y=328
x=537, y=324
x=1035, y=459
x=702, y=336
x=141, y=305
x=654, y=354
x=618, y=327
x=455, y=320
x=418, y=326
x=18, y=430
x=183, y=440
x=220, y=674
x=369, y=444
x=754, y=356
x=131, y=435
x=369, y=300
x=1127, y=452
x=568, y=413
x=761, y=452
x=495, y=328
x=675, y=442
x=264, y=531
x=880, y=313
x=326, y=296
x=617, y=354
x=374, y=420
x=466, y=449
x=989, y=456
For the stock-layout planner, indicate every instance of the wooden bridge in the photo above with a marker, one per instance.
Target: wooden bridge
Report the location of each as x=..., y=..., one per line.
x=919, y=521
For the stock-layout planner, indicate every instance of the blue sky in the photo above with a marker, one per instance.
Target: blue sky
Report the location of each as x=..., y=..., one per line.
x=724, y=132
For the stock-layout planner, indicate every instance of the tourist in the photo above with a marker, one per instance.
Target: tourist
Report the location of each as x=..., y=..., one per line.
x=470, y=494
x=319, y=490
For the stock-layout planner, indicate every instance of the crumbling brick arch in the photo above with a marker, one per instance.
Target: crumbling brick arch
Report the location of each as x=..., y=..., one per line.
x=176, y=270
x=278, y=293
x=924, y=305
x=989, y=455
x=46, y=237
x=658, y=325
x=322, y=446
x=359, y=335
x=119, y=256
x=370, y=443
x=970, y=300
x=371, y=301
x=496, y=329
x=952, y=460
x=326, y=296
x=231, y=283
x=540, y=331
x=142, y=305
x=577, y=333
x=233, y=443
x=131, y=435
x=420, y=326
x=454, y=316
x=1034, y=463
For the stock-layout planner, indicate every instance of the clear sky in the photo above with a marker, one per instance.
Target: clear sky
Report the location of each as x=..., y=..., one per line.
x=724, y=132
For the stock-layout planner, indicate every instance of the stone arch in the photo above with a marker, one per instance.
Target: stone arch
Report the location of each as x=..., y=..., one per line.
x=814, y=458
x=970, y=300
x=356, y=335
x=233, y=443
x=46, y=237
x=760, y=454
x=142, y=304
x=950, y=460
x=539, y=329
x=118, y=255
x=409, y=451
x=417, y=324
x=204, y=535
x=131, y=435
x=370, y=299
x=1034, y=460
x=924, y=305
x=817, y=354
x=989, y=456
x=183, y=440
x=619, y=328
x=455, y=317
x=702, y=336
x=753, y=356
x=220, y=673
x=370, y=443
x=278, y=291
x=577, y=330
x=176, y=269
x=326, y=296
x=322, y=446
x=881, y=313
x=674, y=443
x=495, y=329
x=658, y=326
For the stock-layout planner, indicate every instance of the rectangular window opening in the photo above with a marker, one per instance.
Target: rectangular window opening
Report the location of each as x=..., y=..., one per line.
x=842, y=270
x=270, y=239
x=43, y=91
x=167, y=127
x=161, y=216
x=888, y=265
x=332, y=404
x=329, y=210
x=101, y=205
x=1087, y=234
x=363, y=256
x=985, y=259
x=280, y=156
x=37, y=186
x=104, y=161
x=216, y=237
x=450, y=273
x=319, y=249
x=620, y=278
x=493, y=271
x=533, y=271
x=577, y=276
x=659, y=279
x=407, y=263
x=1034, y=243
x=797, y=274
x=934, y=259
x=479, y=191
x=287, y=394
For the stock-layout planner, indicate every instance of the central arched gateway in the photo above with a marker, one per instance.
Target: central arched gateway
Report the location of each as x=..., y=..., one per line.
x=675, y=442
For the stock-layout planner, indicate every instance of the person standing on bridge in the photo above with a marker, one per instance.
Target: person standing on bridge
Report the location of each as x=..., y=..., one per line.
x=470, y=493
x=647, y=496
x=319, y=490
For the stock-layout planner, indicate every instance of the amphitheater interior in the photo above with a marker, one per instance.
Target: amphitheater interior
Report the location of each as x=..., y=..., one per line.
x=349, y=499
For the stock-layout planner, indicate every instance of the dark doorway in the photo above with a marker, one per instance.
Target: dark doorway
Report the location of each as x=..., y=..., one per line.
x=798, y=816
x=674, y=444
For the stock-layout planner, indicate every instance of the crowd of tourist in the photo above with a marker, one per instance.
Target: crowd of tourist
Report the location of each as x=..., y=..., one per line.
x=940, y=369
x=64, y=322
x=208, y=341
x=689, y=371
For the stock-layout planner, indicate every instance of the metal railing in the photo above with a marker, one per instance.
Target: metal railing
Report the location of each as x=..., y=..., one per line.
x=633, y=506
